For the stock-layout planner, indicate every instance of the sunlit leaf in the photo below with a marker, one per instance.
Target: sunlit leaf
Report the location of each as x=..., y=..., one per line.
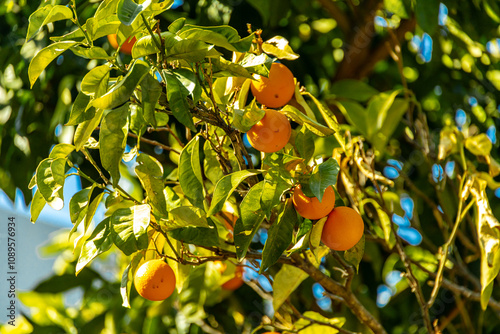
x=44, y=57
x=190, y=177
x=98, y=243
x=45, y=15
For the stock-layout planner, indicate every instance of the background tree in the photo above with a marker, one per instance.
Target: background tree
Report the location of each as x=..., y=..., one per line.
x=413, y=85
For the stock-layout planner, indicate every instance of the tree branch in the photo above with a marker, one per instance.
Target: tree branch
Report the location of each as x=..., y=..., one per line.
x=335, y=288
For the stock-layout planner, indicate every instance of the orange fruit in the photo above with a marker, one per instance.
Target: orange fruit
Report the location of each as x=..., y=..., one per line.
x=229, y=223
x=126, y=46
x=276, y=90
x=311, y=207
x=343, y=229
x=271, y=133
x=235, y=282
x=154, y=280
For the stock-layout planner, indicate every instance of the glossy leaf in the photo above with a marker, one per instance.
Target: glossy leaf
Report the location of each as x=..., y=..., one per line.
x=323, y=177
x=176, y=95
x=95, y=78
x=249, y=222
x=128, y=228
x=112, y=140
x=304, y=144
x=128, y=10
x=258, y=64
x=127, y=279
x=85, y=129
x=151, y=91
x=50, y=177
x=37, y=204
x=203, y=236
x=280, y=236
x=243, y=120
x=78, y=206
x=61, y=151
x=189, y=50
x=80, y=111
x=355, y=254
x=121, y=92
x=94, y=52
x=278, y=47
x=286, y=281
x=314, y=326
x=99, y=242
x=299, y=117
x=187, y=216
x=225, y=187
x=45, y=15
x=44, y=57
x=190, y=176
x=150, y=174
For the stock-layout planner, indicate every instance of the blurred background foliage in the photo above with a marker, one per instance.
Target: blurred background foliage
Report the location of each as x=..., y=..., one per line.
x=448, y=56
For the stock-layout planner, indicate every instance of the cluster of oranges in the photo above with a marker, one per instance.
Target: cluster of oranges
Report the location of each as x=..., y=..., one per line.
x=155, y=279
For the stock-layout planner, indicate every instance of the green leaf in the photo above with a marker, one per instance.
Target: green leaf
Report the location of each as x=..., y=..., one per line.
x=81, y=111
x=78, y=205
x=286, y=281
x=354, y=255
x=128, y=228
x=151, y=91
x=37, y=204
x=45, y=15
x=50, y=177
x=177, y=97
x=150, y=174
x=377, y=111
x=92, y=209
x=61, y=151
x=190, y=50
x=146, y=45
x=122, y=91
x=492, y=9
x=304, y=144
x=251, y=217
x=85, y=129
x=128, y=278
x=278, y=47
x=355, y=114
x=128, y=10
x=276, y=182
x=99, y=242
x=258, y=64
x=243, y=120
x=190, y=175
x=189, y=81
x=137, y=123
x=113, y=139
x=177, y=25
x=479, y=145
x=280, y=236
x=427, y=12
x=193, y=295
x=96, y=81
x=390, y=123
x=225, y=187
x=225, y=68
x=353, y=89
x=222, y=36
x=327, y=114
x=488, y=230
x=44, y=57
x=202, y=236
x=323, y=177
x=385, y=222
x=94, y=52
x=306, y=326
x=299, y=117
x=187, y=216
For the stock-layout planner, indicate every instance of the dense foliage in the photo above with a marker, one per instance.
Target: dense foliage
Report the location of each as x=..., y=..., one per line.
x=395, y=105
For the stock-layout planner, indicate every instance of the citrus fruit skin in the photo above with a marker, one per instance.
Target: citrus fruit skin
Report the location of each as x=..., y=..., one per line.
x=235, y=282
x=311, y=207
x=126, y=46
x=271, y=133
x=277, y=90
x=343, y=229
x=155, y=280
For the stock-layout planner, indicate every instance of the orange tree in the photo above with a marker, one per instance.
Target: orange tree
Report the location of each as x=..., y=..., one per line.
x=172, y=119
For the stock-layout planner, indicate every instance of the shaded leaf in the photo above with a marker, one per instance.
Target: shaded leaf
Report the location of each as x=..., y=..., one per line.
x=177, y=97
x=190, y=175
x=324, y=176
x=353, y=89
x=128, y=10
x=128, y=228
x=98, y=243
x=150, y=174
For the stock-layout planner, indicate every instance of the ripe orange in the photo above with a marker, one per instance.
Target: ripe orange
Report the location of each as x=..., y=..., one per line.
x=235, y=282
x=276, y=90
x=271, y=133
x=343, y=229
x=154, y=280
x=311, y=207
x=126, y=46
